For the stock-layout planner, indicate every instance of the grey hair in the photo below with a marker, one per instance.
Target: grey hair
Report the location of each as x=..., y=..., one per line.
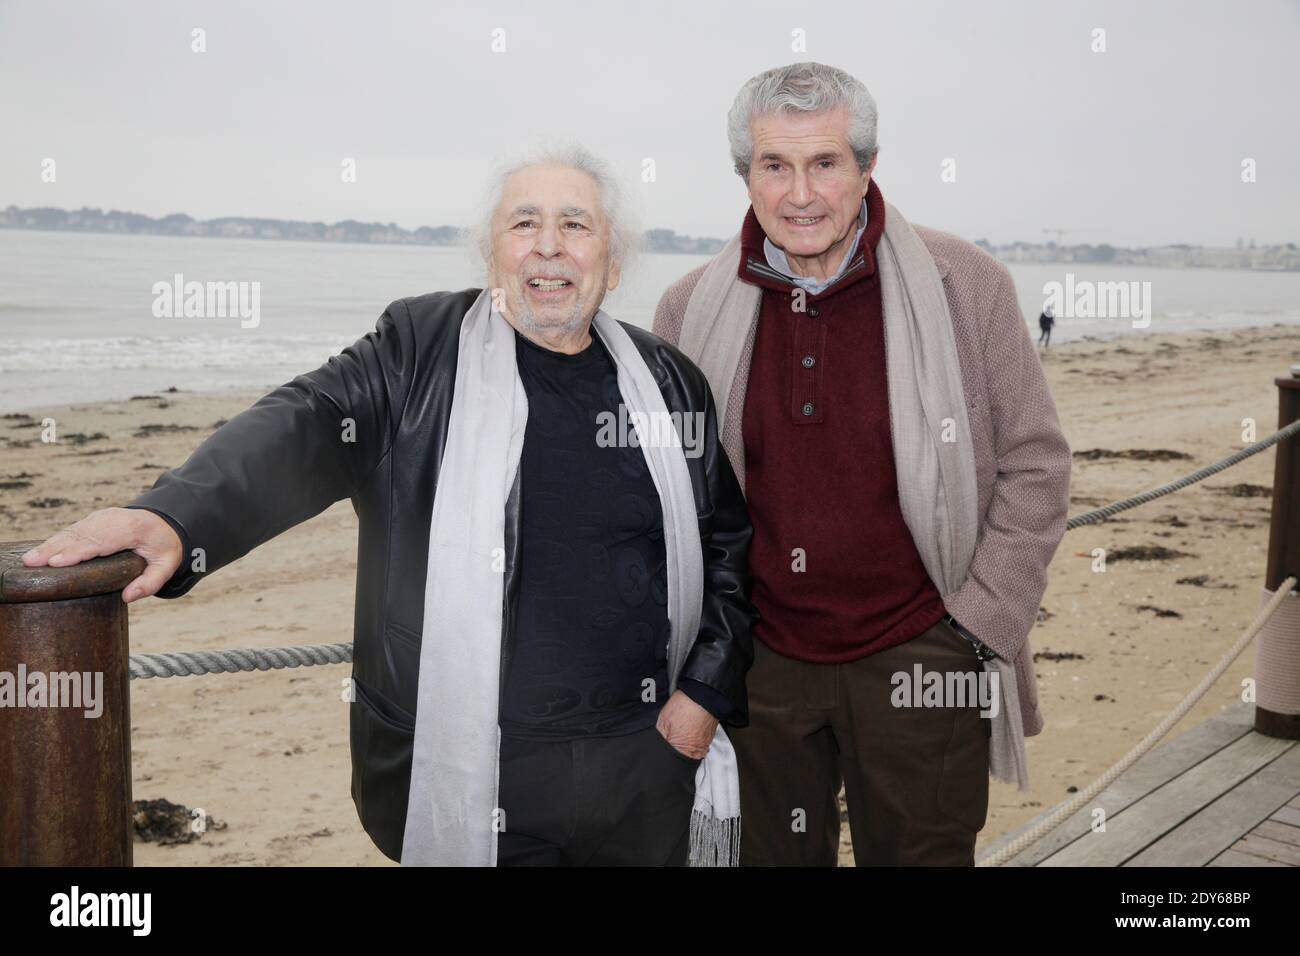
x=615, y=199
x=802, y=88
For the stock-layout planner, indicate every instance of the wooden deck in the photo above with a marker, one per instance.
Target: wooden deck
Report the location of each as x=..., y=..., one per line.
x=1219, y=795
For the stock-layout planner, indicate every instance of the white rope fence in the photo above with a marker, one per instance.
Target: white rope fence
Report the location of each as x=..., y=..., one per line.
x=1101, y=514
x=192, y=663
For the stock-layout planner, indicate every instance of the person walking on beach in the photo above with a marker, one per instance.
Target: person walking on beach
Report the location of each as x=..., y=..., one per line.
x=887, y=415
x=1045, y=323
x=552, y=615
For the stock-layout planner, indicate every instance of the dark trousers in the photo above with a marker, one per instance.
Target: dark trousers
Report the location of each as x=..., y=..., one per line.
x=595, y=801
x=915, y=778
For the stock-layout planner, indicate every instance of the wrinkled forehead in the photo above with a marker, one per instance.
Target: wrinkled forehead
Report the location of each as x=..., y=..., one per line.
x=802, y=131
x=551, y=192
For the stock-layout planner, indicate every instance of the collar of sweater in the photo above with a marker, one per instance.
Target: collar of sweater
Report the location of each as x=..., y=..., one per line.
x=776, y=258
x=754, y=268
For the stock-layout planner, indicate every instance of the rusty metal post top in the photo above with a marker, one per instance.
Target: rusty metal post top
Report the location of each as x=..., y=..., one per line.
x=20, y=584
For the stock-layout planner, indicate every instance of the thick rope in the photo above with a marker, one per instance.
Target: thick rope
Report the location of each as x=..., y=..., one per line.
x=1092, y=517
x=1068, y=809
x=188, y=663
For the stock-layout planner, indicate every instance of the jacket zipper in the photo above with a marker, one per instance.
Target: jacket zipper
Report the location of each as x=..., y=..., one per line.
x=755, y=266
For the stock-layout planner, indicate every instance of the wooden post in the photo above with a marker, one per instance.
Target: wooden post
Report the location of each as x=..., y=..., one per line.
x=1284, y=542
x=65, y=772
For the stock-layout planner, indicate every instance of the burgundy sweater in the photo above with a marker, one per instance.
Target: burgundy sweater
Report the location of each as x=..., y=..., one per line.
x=836, y=573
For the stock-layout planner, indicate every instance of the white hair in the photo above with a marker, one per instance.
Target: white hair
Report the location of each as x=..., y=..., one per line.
x=615, y=200
x=802, y=88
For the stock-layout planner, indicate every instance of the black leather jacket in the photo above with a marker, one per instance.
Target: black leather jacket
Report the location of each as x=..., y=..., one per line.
x=286, y=459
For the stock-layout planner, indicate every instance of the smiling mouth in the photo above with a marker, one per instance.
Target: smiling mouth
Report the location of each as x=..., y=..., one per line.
x=542, y=284
x=804, y=220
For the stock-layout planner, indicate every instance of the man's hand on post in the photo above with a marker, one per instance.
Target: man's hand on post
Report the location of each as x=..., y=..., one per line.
x=686, y=725
x=109, y=531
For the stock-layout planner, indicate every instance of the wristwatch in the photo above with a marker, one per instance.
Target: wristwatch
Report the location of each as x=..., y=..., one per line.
x=982, y=650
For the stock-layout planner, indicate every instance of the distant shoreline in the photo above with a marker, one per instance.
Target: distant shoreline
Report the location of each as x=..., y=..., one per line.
x=179, y=225
x=348, y=242
x=164, y=235
x=1249, y=258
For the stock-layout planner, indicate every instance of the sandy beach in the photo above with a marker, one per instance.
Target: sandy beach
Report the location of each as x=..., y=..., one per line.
x=266, y=754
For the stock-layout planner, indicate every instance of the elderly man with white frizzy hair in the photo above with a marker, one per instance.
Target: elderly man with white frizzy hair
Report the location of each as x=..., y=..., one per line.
x=551, y=627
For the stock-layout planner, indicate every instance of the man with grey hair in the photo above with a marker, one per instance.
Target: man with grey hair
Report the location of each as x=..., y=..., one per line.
x=551, y=609
x=907, y=478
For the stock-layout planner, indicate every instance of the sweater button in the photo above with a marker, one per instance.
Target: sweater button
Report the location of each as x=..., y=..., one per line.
x=807, y=408
x=813, y=311
x=809, y=361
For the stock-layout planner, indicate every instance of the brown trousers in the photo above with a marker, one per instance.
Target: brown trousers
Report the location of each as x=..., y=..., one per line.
x=915, y=778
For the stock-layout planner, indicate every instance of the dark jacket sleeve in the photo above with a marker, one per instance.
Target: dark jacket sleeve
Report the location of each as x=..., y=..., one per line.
x=724, y=649
x=711, y=700
x=290, y=456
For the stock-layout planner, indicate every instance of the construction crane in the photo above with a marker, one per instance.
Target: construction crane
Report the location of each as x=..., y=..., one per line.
x=1059, y=233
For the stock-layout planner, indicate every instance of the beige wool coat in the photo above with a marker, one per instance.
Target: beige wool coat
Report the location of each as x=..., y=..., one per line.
x=1022, y=459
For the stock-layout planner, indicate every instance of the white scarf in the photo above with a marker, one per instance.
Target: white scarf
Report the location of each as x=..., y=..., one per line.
x=452, y=816
x=937, y=489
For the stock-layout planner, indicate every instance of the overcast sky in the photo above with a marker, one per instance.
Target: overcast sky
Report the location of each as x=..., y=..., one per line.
x=1141, y=144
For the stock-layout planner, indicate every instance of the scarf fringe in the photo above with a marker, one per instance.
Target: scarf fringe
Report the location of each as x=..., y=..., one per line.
x=714, y=841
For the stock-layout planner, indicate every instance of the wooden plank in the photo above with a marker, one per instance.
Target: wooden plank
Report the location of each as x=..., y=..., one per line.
x=1287, y=814
x=1269, y=849
x=1237, y=858
x=1279, y=832
x=1197, y=840
x=1136, y=827
x=1153, y=770
x=1294, y=803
